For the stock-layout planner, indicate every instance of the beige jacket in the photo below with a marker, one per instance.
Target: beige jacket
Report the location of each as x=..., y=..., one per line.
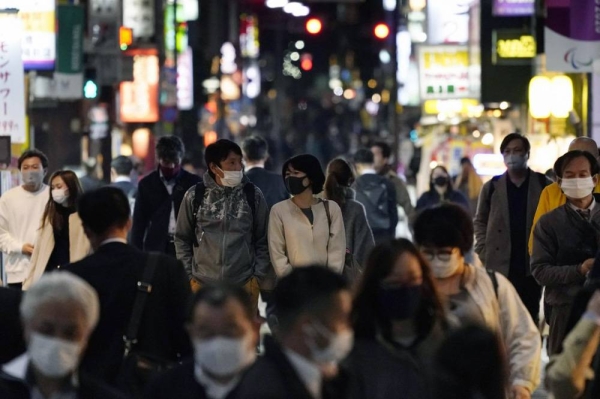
x=294, y=242
x=79, y=248
x=506, y=314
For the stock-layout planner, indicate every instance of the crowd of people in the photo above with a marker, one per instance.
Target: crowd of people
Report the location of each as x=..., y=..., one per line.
x=151, y=289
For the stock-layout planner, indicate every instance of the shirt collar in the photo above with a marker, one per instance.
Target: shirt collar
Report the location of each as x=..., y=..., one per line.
x=591, y=207
x=368, y=172
x=19, y=369
x=255, y=166
x=119, y=179
x=214, y=389
x=309, y=373
x=113, y=239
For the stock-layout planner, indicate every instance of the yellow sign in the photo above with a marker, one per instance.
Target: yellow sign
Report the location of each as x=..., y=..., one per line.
x=522, y=47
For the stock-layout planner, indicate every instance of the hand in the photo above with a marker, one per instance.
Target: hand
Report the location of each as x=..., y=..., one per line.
x=27, y=249
x=593, y=306
x=586, y=266
x=519, y=392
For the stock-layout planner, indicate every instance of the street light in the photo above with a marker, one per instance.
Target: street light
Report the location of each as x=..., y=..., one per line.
x=314, y=26
x=381, y=31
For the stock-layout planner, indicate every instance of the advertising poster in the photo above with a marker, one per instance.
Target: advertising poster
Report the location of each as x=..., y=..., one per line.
x=572, y=35
x=444, y=72
x=12, y=82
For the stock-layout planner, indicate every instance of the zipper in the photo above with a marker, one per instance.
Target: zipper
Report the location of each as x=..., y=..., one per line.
x=224, y=235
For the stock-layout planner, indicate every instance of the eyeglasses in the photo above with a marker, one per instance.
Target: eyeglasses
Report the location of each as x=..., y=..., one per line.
x=443, y=254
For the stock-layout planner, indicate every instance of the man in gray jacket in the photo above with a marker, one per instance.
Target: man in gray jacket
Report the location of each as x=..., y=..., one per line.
x=504, y=218
x=222, y=224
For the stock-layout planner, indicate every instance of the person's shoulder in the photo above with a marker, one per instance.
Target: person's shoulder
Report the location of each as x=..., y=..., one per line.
x=281, y=206
x=15, y=193
x=333, y=206
x=551, y=189
x=149, y=179
x=90, y=387
x=190, y=177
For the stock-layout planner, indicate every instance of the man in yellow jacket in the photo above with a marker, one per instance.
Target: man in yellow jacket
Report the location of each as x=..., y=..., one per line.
x=552, y=197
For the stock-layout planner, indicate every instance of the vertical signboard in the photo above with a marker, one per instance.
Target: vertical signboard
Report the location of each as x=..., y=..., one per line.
x=185, y=80
x=39, y=33
x=12, y=81
x=444, y=72
x=572, y=35
x=139, y=99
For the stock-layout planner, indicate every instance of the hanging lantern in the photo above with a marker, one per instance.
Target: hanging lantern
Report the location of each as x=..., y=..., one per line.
x=540, y=97
x=562, y=96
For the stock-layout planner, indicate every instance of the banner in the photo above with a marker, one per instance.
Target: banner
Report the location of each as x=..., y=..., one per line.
x=70, y=39
x=444, y=72
x=12, y=81
x=39, y=34
x=572, y=36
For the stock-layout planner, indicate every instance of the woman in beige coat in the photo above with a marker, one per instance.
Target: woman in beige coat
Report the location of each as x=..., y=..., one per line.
x=60, y=239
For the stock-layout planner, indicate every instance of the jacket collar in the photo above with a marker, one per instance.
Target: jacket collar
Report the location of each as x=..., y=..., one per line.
x=349, y=193
x=18, y=370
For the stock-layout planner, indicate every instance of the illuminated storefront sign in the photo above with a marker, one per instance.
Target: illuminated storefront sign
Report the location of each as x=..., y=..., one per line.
x=39, y=32
x=12, y=83
x=513, y=8
x=448, y=21
x=139, y=16
x=513, y=47
x=444, y=72
x=185, y=80
x=139, y=99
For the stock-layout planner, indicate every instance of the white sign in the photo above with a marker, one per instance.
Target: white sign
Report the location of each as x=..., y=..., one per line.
x=444, y=72
x=185, y=80
x=12, y=82
x=139, y=16
x=448, y=21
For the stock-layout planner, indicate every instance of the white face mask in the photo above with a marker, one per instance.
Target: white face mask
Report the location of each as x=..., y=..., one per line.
x=231, y=178
x=515, y=162
x=444, y=269
x=340, y=344
x=60, y=196
x=32, y=177
x=577, y=188
x=53, y=357
x=222, y=356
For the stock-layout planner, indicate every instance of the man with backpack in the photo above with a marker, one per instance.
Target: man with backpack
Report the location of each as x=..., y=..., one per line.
x=222, y=225
x=378, y=195
x=505, y=211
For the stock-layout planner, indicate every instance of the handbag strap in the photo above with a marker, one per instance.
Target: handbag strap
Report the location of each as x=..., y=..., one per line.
x=144, y=288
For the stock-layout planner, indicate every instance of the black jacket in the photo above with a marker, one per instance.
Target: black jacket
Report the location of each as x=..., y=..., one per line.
x=114, y=271
x=153, y=209
x=179, y=383
x=273, y=377
x=11, y=331
x=270, y=183
x=369, y=180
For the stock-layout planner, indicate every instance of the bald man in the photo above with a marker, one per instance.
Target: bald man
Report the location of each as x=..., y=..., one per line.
x=552, y=197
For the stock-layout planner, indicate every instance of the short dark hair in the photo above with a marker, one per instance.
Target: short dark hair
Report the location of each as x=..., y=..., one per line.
x=33, y=154
x=562, y=162
x=447, y=225
x=364, y=156
x=103, y=209
x=386, y=150
x=122, y=165
x=310, y=165
x=515, y=136
x=466, y=160
x=170, y=148
x=305, y=290
x=255, y=148
x=218, y=151
x=216, y=295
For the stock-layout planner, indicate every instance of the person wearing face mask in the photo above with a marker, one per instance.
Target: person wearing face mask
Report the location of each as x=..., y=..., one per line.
x=305, y=230
x=565, y=241
x=159, y=197
x=21, y=210
x=399, y=322
x=221, y=232
x=479, y=296
x=60, y=239
x=313, y=336
x=441, y=190
x=504, y=218
x=59, y=314
x=552, y=197
x=224, y=332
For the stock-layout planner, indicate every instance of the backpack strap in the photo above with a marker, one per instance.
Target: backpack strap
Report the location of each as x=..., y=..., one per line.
x=250, y=192
x=144, y=288
x=326, y=205
x=199, y=190
x=494, y=278
x=493, y=187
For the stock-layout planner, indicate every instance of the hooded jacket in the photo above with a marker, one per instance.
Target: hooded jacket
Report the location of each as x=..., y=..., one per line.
x=231, y=244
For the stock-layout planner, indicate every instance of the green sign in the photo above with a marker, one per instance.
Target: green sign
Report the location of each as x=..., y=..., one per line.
x=70, y=39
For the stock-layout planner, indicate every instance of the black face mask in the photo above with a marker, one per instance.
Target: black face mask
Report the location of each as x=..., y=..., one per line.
x=440, y=181
x=294, y=185
x=399, y=303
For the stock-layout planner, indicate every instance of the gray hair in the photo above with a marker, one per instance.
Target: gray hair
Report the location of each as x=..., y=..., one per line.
x=61, y=287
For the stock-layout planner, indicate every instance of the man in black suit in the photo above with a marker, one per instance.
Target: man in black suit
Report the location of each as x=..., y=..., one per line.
x=313, y=335
x=120, y=175
x=11, y=330
x=159, y=198
x=114, y=270
x=256, y=153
